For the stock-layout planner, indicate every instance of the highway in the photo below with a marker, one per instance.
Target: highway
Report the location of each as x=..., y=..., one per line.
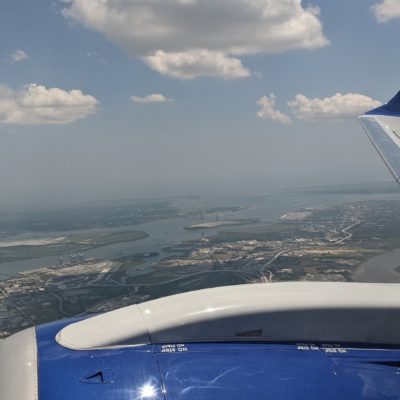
x=348, y=235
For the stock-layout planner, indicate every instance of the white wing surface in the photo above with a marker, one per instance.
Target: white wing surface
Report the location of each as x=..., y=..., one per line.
x=383, y=129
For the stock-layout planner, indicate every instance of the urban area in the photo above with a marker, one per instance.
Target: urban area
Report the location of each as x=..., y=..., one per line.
x=309, y=244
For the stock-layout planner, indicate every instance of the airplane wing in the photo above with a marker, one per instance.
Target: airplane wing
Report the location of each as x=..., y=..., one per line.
x=383, y=129
x=285, y=341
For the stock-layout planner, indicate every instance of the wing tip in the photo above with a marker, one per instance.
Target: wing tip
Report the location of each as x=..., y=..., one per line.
x=392, y=108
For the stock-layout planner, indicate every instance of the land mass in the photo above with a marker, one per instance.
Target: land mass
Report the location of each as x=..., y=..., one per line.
x=217, y=224
x=77, y=243
x=325, y=244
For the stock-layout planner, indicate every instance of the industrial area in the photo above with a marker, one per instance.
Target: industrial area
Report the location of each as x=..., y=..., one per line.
x=318, y=244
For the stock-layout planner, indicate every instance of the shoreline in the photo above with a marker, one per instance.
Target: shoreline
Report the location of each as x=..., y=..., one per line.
x=221, y=224
x=383, y=268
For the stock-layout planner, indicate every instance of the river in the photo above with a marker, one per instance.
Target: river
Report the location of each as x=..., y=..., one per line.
x=380, y=269
x=162, y=233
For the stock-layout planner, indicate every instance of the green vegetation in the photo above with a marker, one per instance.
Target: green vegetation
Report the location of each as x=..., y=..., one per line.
x=93, y=215
x=105, y=239
x=328, y=245
x=72, y=244
x=18, y=253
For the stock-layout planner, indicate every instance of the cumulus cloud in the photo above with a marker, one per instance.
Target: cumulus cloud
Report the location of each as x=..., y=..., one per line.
x=18, y=55
x=152, y=98
x=35, y=104
x=169, y=33
x=338, y=106
x=387, y=10
x=196, y=63
x=268, y=110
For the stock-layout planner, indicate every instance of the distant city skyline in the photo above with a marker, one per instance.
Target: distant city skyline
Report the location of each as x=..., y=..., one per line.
x=102, y=99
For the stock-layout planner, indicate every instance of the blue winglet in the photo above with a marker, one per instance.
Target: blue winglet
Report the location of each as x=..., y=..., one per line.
x=391, y=108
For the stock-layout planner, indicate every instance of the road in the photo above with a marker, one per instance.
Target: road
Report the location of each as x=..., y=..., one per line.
x=263, y=270
x=345, y=231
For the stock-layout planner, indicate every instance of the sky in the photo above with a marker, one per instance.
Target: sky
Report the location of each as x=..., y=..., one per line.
x=138, y=98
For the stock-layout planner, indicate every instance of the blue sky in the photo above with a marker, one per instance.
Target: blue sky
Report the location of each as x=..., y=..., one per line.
x=208, y=63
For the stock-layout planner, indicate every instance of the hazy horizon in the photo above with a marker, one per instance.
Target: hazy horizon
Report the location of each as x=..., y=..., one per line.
x=90, y=109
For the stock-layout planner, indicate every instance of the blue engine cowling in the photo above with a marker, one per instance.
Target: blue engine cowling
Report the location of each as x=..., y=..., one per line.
x=283, y=371
x=112, y=357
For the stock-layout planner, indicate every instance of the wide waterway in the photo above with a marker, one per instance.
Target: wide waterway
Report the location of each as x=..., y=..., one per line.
x=163, y=233
x=384, y=268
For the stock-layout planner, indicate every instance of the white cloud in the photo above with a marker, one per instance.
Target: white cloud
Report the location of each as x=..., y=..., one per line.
x=196, y=63
x=97, y=57
x=152, y=98
x=338, y=106
x=268, y=110
x=173, y=31
x=35, y=104
x=18, y=55
x=387, y=10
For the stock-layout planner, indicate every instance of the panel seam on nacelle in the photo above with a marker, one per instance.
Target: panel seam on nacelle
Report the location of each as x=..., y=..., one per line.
x=36, y=363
